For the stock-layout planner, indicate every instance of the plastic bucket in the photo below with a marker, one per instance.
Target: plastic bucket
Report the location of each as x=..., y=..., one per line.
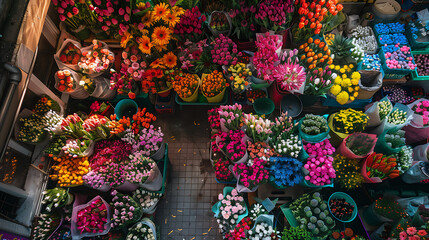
x=292, y=105
x=217, y=98
x=126, y=107
x=263, y=106
x=348, y=199
x=192, y=98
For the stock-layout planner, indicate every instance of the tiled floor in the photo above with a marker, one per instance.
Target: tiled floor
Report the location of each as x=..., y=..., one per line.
x=185, y=211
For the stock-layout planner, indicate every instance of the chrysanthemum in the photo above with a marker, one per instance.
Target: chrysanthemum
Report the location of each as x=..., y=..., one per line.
x=172, y=19
x=160, y=11
x=161, y=35
x=169, y=60
x=145, y=45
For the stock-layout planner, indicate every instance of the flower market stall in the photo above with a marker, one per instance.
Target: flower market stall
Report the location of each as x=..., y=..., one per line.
x=317, y=117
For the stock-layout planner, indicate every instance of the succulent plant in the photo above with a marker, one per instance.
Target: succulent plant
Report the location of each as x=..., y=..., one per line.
x=341, y=47
x=314, y=124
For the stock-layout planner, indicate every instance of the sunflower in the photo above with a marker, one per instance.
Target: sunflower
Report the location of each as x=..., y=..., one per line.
x=145, y=45
x=125, y=39
x=169, y=60
x=172, y=19
x=161, y=35
x=160, y=11
x=147, y=19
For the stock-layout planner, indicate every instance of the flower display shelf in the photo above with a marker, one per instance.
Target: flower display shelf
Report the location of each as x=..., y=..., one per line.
x=414, y=75
x=392, y=73
x=201, y=100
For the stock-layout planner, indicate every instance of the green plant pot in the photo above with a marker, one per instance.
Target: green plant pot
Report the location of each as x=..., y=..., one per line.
x=263, y=106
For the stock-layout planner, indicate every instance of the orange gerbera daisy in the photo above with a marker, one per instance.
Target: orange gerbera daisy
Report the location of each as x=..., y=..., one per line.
x=161, y=35
x=172, y=19
x=161, y=48
x=160, y=11
x=178, y=10
x=157, y=63
x=169, y=60
x=147, y=19
x=125, y=39
x=145, y=45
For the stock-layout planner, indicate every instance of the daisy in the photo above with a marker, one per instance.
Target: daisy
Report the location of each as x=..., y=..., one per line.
x=145, y=45
x=169, y=60
x=161, y=35
x=160, y=11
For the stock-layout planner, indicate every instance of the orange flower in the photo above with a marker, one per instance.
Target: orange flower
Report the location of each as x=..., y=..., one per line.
x=131, y=95
x=161, y=35
x=213, y=84
x=185, y=84
x=157, y=63
x=145, y=45
x=169, y=60
x=172, y=19
x=160, y=11
x=147, y=19
x=125, y=39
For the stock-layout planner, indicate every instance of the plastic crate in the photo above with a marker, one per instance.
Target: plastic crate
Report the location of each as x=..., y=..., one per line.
x=392, y=73
x=414, y=75
x=413, y=42
x=163, y=164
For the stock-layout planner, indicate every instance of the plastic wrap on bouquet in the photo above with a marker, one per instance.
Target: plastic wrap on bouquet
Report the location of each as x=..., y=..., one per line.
x=60, y=64
x=393, y=127
x=154, y=181
x=420, y=153
x=417, y=173
x=346, y=152
x=102, y=89
x=149, y=223
x=216, y=206
x=313, y=138
x=127, y=187
x=417, y=120
x=264, y=218
x=91, y=73
x=372, y=110
x=336, y=137
x=382, y=147
x=369, y=179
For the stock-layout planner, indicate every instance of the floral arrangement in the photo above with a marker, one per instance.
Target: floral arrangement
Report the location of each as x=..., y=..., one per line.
x=389, y=208
x=230, y=116
x=397, y=94
x=213, y=84
x=282, y=123
x=275, y=15
x=106, y=151
x=190, y=26
x=296, y=233
x=258, y=128
x=72, y=126
x=422, y=108
x=349, y=121
x=288, y=145
x=319, y=149
x=231, y=145
x=381, y=166
x=112, y=15
x=263, y=231
x=312, y=214
x=156, y=80
x=347, y=234
x=146, y=199
x=385, y=107
x=96, y=179
x=289, y=74
x=397, y=117
x=360, y=144
x=70, y=54
x=56, y=198
x=219, y=22
x=97, y=212
x=412, y=233
x=138, y=168
x=46, y=224
x=66, y=81
x=147, y=142
x=341, y=209
x=96, y=60
x=395, y=139
x=251, y=176
x=260, y=150
x=243, y=19
x=87, y=84
x=347, y=172
x=142, y=119
x=222, y=171
x=286, y=171
x=55, y=145
x=31, y=129
x=315, y=54
x=126, y=210
x=319, y=82
x=346, y=86
x=69, y=171
x=141, y=231
x=77, y=148
x=45, y=104
x=96, y=127
x=224, y=51
x=256, y=210
x=214, y=120
x=404, y=159
x=190, y=53
x=232, y=205
x=314, y=124
x=186, y=84
x=239, y=78
x=265, y=58
x=320, y=170
x=240, y=229
x=114, y=172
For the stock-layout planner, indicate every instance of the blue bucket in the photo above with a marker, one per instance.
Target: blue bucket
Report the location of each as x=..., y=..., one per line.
x=349, y=200
x=127, y=108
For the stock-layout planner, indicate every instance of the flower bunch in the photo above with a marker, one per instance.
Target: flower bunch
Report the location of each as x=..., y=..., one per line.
x=76, y=148
x=146, y=199
x=341, y=209
x=147, y=141
x=404, y=159
x=123, y=83
x=265, y=58
x=219, y=22
x=44, y=104
x=349, y=121
x=97, y=213
x=56, y=198
x=256, y=210
x=213, y=84
x=138, y=168
x=384, y=109
x=96, y=179
x=132, y=66
x=253, y=175
x=240, y=230
x=397, y=117
x=313, y=15
x=141, y=119
x=360, y=144
x=282, y=123
x=258, y=128
x=69, y=171
x=347, y=234
x=155, y=79
x=260, y=150
x=395, y=139
x=315, y=54
x=141, y=231
x=70, y=55
x=115, y=173
x=289, y=74
x=253, y=94
x=112, y=14
x=243, y=19
x=46, y=225
x=224, y=51
x=105, y=151
x=87, y=84
x=314, y=124
x=347, y=172
x=66, y=82
x=286, y=171
x=275, y=15
x=263, y=231
x=364, y=37
x=320, y=149
x=320, y=170
x=72, y=126
x=96, y=60
x=186, y=84
x=55, y=145
x=381, y=166
x=232, y=205
x=413, y=234
x=190, y=26
x=390, y=208
x=422, y=108
x=288, y=145
x=222, y=171
x=214, y=119
x=96, y=127
x=126, y=210
x=231, y=144
x=296, y=233
x=346, y=86
x=397, y=94
x=190, y=53
x=401, y=58
x=31, y=129
x=239, y=76
x=319, y=82
x=230, y=116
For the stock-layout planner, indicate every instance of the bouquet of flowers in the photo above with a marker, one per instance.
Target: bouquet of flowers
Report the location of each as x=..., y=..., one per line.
x=341, y=208
x=275, y=15
x=52, y=122
x=346, y=86
x=320, y=170
x=112, y=14
x=286, y=171
x=222, y=171
x=115, y=173
x=253, y=94
x=147, y=200
x=87, y=84
x=265, y=58
x=314, y=124
x=260, y=150
x=231, y=206
x=319, y=149
x=97, y=179
x=251, y=174
x=256, y=210
x=96, y=127
x=213, y=84
x=263, y=231
x=45, y=104
x=282, y=123
x=55, y=146
x=141, y=119
x=258, y=128
x=289, y=74
x=126, y=210
x=232, y=146
x=349, y=121
x=319, y=82
x=404, y=159
x=77, y=148
x=141, y=231
x=390, y=208
x=315, y=54
x=190, y=26
x=384, y=108
x=190, y=53
x=239, y=77
x=72, y=126
x=106, y=151
x=186, y=85
x=413, y=233
x=214, y=120
x=230, y=116
x=288, y=145
x=397, y=117
x=224, y=51
x=96, y=60
x=396, y=139
x=347, y=172
x=421, y=109
x=240, y=230
x=46, y=225
x=56, y=198
x=66, y=81
x=70, y=55
x=69, y=171
x=31, y=129
x=97, y=211
x=243, y=19
x=380, y=166
x=359, y=144
x=148, y=141
x=139, y=168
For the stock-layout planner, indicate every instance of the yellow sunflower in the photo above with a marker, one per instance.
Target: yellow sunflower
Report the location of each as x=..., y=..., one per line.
x=160, y=11
x=145, y=45
x=125, y=39
x=161, y=35
x=172, y=19
x=147, y=19
x=169, y=60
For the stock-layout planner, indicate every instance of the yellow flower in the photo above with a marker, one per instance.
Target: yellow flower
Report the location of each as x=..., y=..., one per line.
x=351, y=65
x=342, y=70
x=356, y=75
x=160, y=11
x=337, y=67
x=342, y=98
x=355, y=94
x=161, y=35
x=350, y=89
x=345, y=67
x=344, y=76
x=357, y=88
x=352, y=98
x=355, y=81
x=178, y=10
x=335, y=89
x=338, y=80
x=346, y=82
x=332, y=66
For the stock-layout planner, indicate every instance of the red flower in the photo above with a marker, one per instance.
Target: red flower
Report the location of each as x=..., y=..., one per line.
x=131, y=95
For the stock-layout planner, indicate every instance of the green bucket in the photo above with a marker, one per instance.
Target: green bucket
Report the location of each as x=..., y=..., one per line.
x=263, y=106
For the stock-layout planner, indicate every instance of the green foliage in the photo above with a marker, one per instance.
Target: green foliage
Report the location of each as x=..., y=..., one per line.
x=296, y=233
x=189, y=4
